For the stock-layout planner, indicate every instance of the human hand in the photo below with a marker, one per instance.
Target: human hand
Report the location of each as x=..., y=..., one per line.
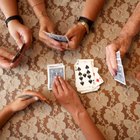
x=121, y=44
x=6, y=59
x=20, y=33
x=67, y=96
x=20, y=104
x=46, y=25
x=75, y=35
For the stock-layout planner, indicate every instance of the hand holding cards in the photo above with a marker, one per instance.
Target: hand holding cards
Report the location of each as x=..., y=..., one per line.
x=56, y=37
x=18, y=53
x=53, y=71
x=120, y=73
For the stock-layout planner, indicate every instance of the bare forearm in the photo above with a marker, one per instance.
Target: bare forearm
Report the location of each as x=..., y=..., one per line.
x=87, y=126
x=9, y=7
x=92, y=8
x=5, y=115
x=132, y=27
x=38, y=7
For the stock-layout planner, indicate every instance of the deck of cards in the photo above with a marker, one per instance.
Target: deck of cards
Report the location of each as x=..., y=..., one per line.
x=87, y=78
x=53, y=71
x=56, y=37
x=120, y=73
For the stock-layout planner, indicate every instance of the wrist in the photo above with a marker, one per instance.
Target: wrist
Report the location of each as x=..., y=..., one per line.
x=10, y=109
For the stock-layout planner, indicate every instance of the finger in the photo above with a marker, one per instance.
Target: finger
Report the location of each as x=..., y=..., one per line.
x=108, y=62
x=27, y=38
x=58, y=85
x=54, y=89
x=6, y=54
x=5, y=63
x=18, y=39
x=31, y=100
x=50, y=42
x=63, y=84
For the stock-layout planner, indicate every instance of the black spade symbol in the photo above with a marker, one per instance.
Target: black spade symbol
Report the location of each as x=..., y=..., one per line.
x=84, y=75
x=82, y=83
x=79, y=68
x=88, y=71
x=81, y=78
x=87, y=66
x=79, y=73
x=90, y=81
x=89, y=76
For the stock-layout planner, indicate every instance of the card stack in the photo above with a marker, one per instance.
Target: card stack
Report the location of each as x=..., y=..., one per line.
x=120, y=72
x=53, y=71
x=87, y=77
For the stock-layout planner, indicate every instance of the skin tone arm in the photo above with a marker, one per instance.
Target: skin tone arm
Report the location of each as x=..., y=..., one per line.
x=19, y=104
x=123, y=41
x=69, y=99
x=45, y=24
x=18, y=31
x=76, y=32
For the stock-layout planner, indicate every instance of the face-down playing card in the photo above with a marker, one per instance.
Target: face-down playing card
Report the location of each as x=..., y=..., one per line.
x=53, y=71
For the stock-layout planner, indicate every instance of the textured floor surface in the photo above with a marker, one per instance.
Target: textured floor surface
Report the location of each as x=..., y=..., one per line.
x=114, y=108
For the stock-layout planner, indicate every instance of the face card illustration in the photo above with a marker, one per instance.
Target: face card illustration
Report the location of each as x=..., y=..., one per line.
x=53, y=71
x=120, y=75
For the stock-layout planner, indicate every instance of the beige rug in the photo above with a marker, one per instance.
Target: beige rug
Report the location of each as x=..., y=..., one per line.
x=114, y=108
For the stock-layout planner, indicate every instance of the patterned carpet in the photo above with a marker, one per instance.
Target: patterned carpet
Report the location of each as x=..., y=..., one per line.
x=114, y=108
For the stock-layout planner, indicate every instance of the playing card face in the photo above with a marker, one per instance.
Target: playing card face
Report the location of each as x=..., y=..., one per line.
x=56, y=37
x=87, y=77
x=53, y=71
x=84, y=75
x=120, y=75
x=118, y=57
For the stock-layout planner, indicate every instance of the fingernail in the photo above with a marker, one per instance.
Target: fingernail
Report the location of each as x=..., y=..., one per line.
x=36, y=98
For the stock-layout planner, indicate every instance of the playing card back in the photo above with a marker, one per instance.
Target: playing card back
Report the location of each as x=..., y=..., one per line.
x=53, y=71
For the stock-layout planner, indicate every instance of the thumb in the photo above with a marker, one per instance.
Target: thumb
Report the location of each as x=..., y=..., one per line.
x=31, y=100
x=18, y=40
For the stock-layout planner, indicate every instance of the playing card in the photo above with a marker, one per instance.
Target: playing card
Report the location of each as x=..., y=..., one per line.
x=84, y=75
x=18, y=53
x=120, y=75
x=118, y=58
x=53, y=71
x=56, y=37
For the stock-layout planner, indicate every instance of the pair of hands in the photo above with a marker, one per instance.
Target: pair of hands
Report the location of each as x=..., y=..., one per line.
x=63, y=92
x=75, y=34
x=22, y=35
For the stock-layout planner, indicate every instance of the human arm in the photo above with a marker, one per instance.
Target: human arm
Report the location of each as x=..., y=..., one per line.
x=19, y=104
x=46, y=24
x=123, y=41
x=77, y=32
x=18, y=31
x=69, y=99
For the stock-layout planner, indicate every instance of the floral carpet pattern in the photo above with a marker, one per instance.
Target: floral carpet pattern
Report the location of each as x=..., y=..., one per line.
x=115, y=108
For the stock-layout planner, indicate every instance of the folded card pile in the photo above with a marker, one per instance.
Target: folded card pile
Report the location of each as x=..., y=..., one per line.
x=87, y=77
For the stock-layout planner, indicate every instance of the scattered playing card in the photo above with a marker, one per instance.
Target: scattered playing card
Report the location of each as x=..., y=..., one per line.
x=53, y=71
x=87, y=77
x=56, y=37
x=120, y=77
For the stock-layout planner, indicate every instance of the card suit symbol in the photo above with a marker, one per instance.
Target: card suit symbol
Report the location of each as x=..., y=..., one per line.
x=79, y=73
x=84, y=75
x=88, y=71
x=97, y=80
x=90, y=81
x=89, y=76
x=87, y=67
x=79, y=68
x=82, y=83
x=81, y=78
